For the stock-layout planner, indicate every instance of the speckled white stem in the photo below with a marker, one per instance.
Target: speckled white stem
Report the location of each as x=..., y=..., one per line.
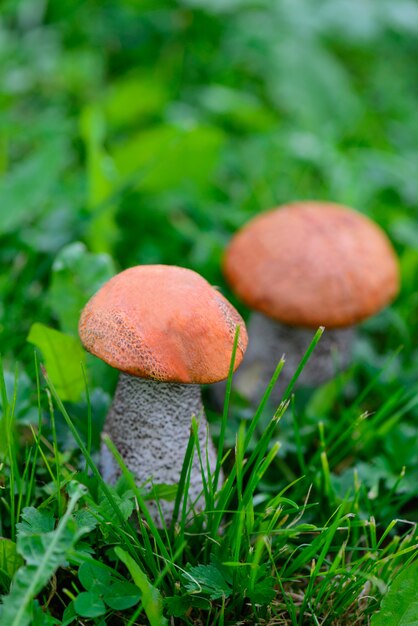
x=269, y=340
x=149, y=423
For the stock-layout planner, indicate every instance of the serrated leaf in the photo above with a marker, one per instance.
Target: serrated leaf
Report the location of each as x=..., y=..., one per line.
x=84, y=518
x=35, y=521
x=151, y=597
x=207, y=579
x=63, y=356
x=48, y=554
x=33, y=547
x=263, y=592
x=124, y=502
x=89, y=604
x=76, y=275
x=400, y=605
x=91, y=574
x=122, y=595
x=177, y=605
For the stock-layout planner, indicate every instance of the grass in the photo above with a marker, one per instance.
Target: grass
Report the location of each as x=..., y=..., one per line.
x=149, y=132
x=299, y=555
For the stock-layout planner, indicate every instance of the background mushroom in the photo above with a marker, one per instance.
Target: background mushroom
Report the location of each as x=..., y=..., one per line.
x=301, y=266
x=168, y=331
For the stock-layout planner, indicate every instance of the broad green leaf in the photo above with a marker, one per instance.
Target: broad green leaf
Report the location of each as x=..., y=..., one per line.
x=177, y=606
x=166, y=156
x=76, y=275
x=102, y=181
x=151, y=597
x=400, y=604
x=46, y=553
x=122, y=595
x=10, y=561
x=89, y=604
x=25, y=191
x=91, y=574
x=69, y=615
x=264, y=591
x=132, y=98
x=63, y=356
x=207, y=579
x=241, y=108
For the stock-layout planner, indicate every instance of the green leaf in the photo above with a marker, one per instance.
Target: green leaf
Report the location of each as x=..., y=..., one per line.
x=239, y=107
x=35, y=522
x=207, y=579
x=400, y=604
x=132, y=98
x=89, y=604
x=102, y=181
x=166, y=156
x=33, y=547
x=45, y=554
x=10, y=561
x=85, y=519
x=124, y=502
x=162, y=491
x=263, y=592
x=63, y=358
x=42, y=617
x=151, y=597
x=122, y=595
x=26, y=190
x=91, y=574
x=76, y=275
x=177, y=605
x=69, y=615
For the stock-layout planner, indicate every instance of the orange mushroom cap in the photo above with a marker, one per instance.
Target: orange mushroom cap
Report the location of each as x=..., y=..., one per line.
x=311, y=264
x=165, y=323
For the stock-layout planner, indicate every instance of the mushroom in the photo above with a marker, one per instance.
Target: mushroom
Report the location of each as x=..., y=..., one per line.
x=168, y=331
x=301, y=266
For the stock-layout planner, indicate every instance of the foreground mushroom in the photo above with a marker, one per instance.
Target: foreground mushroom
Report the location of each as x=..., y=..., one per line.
x=167, y=331
x=301, y=266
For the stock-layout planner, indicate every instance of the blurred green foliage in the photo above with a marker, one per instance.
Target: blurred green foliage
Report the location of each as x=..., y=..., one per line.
x=149, y=131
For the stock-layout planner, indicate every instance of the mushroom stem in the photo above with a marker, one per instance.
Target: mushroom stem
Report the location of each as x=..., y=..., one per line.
x=149, y=422
x=269, y=340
